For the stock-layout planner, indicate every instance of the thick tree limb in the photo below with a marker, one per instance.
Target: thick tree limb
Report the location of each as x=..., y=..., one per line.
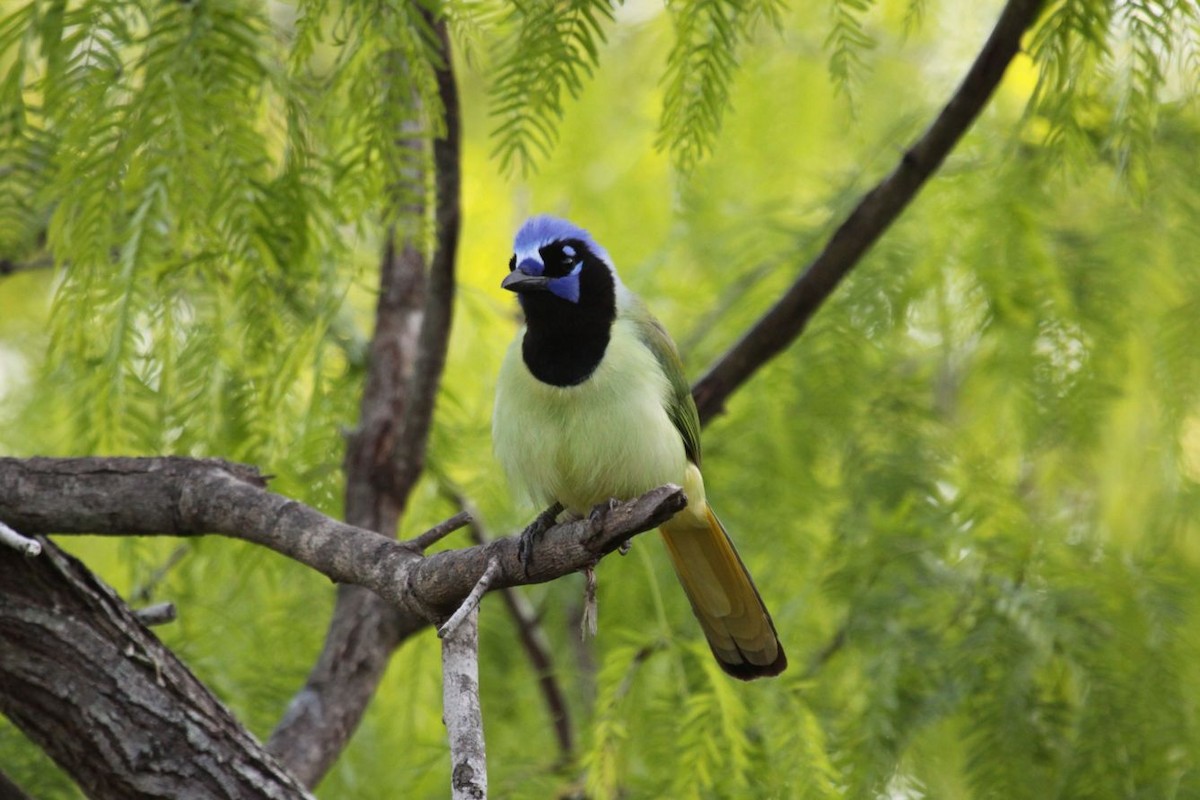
x=877, y=210
x=106, y=700
x=190, y=497
x=386, y=454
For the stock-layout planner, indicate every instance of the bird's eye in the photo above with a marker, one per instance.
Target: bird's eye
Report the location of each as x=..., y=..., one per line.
x=559, y=259
x=512, y=263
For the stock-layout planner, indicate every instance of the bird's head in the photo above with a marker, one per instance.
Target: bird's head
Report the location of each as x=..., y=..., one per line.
x=557, y=266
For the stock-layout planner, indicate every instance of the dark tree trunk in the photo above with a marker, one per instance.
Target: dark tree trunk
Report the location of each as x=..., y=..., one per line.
x=108, y=702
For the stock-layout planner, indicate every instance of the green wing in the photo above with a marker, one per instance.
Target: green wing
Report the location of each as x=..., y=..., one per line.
x=681, y=408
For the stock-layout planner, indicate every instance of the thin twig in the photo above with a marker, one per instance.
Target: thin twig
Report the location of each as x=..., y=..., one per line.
x=23, y=544
x=440, y=531
x=10, y=266
x=589, y=621
x=462, y=711
x=873, y=215
x=143, y=592
x=531, y=634
x=157, y=614
x=472, y=601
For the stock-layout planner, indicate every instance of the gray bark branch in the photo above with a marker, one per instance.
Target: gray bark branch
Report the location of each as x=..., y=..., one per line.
x=461, y=710
x=191, y=497
x=873, y=215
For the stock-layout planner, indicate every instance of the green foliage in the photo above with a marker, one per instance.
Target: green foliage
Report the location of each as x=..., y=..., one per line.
x=552, y=47
x=848, y=40
x=709, y=35
x=969, y=492
x=1104, y=69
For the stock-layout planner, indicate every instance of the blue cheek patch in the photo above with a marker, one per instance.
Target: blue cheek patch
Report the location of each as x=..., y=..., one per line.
x=566, y=287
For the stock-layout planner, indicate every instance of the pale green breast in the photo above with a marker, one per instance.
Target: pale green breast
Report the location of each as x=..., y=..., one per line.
x=609, y=436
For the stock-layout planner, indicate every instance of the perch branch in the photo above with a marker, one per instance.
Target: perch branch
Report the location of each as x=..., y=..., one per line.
x=875, y=212
x=191, y=497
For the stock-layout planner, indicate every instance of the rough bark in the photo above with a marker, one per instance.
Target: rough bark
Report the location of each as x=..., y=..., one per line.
x=106, y=700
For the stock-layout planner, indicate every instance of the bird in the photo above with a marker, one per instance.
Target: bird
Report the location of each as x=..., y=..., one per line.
x=592, y=404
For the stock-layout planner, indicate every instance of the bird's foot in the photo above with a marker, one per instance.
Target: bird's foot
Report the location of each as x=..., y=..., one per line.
x=596, y=516
x=600, y=509
x=529, y=537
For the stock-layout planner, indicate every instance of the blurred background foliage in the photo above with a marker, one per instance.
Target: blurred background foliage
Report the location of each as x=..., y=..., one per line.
x=969, y=491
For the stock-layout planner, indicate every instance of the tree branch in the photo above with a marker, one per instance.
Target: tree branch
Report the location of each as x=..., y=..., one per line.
x=157, y=614
x=461, y=708
x=385, y=455
x=191, y=497
x=471, y=603
x=113, y=706
x=9, y=266
x=22, y=544
x=877, y=210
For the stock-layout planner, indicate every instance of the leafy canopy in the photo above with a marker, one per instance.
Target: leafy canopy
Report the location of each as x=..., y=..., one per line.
x=969, y=492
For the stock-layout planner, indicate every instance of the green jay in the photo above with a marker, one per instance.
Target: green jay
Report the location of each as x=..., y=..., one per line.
x=592, y=404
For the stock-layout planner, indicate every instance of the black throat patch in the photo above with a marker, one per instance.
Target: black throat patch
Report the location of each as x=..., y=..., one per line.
x=564, y=341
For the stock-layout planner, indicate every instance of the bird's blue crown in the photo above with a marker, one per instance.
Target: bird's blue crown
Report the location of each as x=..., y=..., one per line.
x=543, y=229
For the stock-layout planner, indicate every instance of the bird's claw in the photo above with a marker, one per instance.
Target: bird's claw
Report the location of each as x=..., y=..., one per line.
x=529, y=537
x=601, y=509
x=624, y=547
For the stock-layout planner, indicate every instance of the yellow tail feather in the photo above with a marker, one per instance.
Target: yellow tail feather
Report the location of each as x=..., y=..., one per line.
x=723, y=596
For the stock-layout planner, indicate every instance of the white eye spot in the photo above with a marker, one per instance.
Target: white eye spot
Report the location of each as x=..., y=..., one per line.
x=568, y=251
